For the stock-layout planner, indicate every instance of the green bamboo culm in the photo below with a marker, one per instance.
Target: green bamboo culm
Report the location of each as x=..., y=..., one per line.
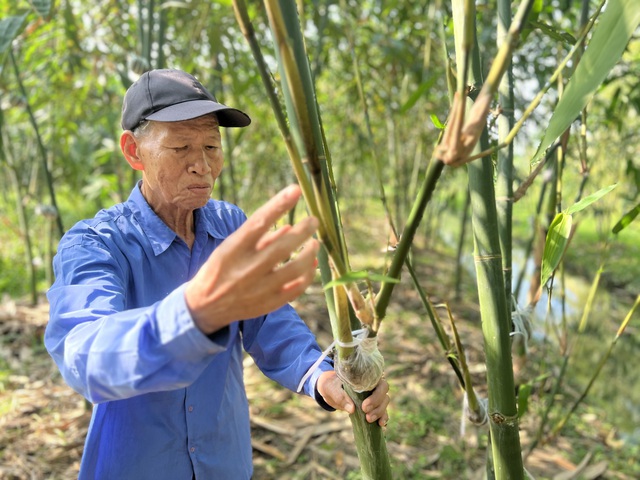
x=496, y=324
x=310, y=150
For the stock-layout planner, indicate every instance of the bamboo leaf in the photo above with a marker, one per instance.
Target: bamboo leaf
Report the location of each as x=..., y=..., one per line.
x=10, y=27
x=555, y=244
x=415, y=96
x=352, y=277
x=436, y=122
x=553, y=32
x=586, y=201
x=43, y=7
x=610, y=37
x=524, y=392
x=626, y=219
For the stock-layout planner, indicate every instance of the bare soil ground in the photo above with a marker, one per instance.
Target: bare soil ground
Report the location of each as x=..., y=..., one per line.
x=43, y=422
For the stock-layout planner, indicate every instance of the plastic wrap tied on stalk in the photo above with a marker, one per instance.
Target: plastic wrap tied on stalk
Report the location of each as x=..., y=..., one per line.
x=363, y=369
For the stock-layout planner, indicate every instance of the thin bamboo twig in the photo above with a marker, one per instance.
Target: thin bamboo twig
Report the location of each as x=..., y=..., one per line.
x=406, y=238
x=477, y=412
x=22, y=216
x=566, y=354
x=556, y=430
x=435, y=323
x=41, y=149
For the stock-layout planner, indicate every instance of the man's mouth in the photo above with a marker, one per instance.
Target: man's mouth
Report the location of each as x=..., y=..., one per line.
x=199, y=188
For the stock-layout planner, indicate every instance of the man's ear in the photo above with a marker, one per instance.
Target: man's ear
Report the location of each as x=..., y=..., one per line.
x=130, y=148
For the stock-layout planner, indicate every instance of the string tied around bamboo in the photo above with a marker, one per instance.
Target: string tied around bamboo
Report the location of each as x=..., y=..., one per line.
x=363, y=369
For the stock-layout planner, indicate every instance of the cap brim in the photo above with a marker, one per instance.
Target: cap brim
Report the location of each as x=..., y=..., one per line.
x=227, y=116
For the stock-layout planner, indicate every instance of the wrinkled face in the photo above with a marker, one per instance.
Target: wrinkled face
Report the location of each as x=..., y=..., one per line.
x=181, y=161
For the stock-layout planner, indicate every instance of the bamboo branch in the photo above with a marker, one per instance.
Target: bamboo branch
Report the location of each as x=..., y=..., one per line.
x=459, y=141
x=538, y=98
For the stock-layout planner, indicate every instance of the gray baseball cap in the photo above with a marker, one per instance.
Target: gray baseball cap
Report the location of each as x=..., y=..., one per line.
x=169, y=95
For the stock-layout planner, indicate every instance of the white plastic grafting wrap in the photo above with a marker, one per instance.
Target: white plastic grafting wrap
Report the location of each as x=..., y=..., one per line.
x=359, y=338
x=363, y=370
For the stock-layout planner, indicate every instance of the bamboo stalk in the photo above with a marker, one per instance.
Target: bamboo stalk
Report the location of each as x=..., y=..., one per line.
x=496, y=324
x=311, y=152
x=504, y=182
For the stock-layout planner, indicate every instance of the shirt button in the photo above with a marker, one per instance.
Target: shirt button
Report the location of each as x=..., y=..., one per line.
x=190, y=408
x=193, y=449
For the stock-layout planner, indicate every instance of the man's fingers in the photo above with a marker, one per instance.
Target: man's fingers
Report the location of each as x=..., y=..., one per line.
x=288, y=237
x=269, y=213
x=272, y=236
x=330, y=387
x=297, y=274
x=375, y=406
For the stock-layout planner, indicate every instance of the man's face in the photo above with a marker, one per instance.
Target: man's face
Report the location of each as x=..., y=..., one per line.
x=181, y=161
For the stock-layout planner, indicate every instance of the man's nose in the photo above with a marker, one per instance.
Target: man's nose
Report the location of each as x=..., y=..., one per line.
x=200, y=164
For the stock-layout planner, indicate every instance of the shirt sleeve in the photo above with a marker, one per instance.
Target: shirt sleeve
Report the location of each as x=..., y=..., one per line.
x=107, y=352
x=284, y=349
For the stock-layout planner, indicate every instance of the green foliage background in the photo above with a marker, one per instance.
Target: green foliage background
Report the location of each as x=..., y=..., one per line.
x=75, y=60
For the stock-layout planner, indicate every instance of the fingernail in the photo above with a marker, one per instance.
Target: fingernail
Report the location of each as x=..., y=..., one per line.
x=315, y=263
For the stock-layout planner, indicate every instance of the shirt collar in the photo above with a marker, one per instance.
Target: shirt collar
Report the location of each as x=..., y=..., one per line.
x=159, y=234
x=207, y=223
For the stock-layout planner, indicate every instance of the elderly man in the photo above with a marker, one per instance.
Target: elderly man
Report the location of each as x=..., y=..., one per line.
x=155, y=298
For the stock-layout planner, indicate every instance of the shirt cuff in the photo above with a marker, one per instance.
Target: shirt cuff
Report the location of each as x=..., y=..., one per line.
x=325, y=366
x=184, y=333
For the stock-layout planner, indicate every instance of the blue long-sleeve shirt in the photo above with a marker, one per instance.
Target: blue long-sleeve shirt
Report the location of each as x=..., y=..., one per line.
x=169, y=401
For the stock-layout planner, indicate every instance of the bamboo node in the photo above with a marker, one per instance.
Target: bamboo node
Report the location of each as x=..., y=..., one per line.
x=507, y=420
x=487, y=258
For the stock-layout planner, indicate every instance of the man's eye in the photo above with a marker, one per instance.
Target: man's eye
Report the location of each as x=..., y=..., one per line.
x=180, y=149
x=211, y=147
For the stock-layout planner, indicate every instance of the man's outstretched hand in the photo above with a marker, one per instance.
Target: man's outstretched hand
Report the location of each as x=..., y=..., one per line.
x=374, y=406
x=252, y=272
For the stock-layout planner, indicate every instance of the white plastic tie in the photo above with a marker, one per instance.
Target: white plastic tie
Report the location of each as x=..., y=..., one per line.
x=521, y=318
x=359, y=336
x=466, y=411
